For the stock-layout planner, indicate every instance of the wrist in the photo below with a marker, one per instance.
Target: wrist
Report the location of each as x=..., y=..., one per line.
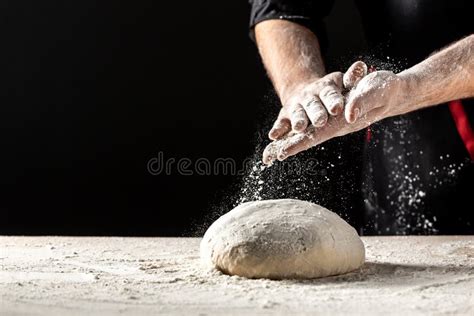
x=406, y=101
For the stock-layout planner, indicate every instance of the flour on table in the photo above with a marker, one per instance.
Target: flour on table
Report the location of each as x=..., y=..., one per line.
x=279, y=239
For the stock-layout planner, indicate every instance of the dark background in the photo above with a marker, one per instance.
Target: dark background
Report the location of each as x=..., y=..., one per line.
x=91, y=90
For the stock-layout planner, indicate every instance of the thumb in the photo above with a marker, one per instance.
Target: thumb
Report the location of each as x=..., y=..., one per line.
x=354, y=74
x=352, y=109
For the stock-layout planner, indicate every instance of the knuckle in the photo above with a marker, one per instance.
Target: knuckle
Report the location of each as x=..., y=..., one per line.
x=291, y=102
x=278, y=124
x=283, y=114
x=297, y=111
x=321, y=121
x=335, y=77
x=310, y=102
x=325, y=81
x=329, y=91
x=287, y=105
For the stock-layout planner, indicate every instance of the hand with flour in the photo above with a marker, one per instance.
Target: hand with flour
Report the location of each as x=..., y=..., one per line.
x=445, y=76
x=370, y=100
x=309, y=96
x=308, y=103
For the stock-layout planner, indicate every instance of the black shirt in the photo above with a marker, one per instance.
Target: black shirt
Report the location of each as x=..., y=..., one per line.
x=418, y=176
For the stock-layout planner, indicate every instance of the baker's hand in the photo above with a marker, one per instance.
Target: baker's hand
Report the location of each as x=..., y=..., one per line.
x=309, y=103
x=312, y=103
x=376, y=96
x=381, y=90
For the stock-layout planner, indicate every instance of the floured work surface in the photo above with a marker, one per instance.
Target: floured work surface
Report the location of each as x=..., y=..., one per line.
x=102, y=276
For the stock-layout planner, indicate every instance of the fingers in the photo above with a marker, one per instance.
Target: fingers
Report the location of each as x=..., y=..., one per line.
x=360, y=104
x=332, y=99
x=290, y=145
x=282, y=149
x=314, y=103
x=361, y=101
x=270, y=153
x=353, y=108
x=292, y=117
x=295, y=144
x=280, y=128
x=352, y=111
x=316, y=112
x=298, y=118
x=376, y=90
x=354, y=74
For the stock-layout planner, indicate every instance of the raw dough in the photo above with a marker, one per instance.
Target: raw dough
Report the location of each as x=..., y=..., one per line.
x=282, y=239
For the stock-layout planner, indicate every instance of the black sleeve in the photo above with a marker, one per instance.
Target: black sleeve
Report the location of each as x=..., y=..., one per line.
x=305, y=12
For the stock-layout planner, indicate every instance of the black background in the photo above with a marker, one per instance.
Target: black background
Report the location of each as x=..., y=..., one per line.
x=91, y=90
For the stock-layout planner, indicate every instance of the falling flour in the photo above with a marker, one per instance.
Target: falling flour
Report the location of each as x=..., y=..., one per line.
x=316, y=176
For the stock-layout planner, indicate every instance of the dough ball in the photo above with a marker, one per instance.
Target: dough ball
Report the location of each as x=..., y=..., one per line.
x=279, y=239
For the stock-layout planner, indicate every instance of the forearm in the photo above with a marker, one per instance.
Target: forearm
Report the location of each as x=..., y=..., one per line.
x=290, y=53
x=445, y=76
